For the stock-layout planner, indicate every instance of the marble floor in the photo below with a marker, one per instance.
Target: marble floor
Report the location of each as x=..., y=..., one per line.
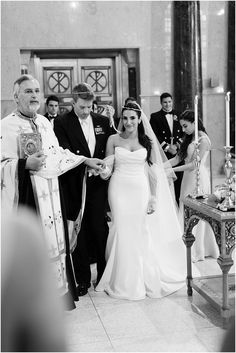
x=171, y=324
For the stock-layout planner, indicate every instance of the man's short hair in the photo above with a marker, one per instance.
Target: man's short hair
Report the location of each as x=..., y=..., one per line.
x=84, y=91
x=52, y=98
x=18, y=82
x=165, y=95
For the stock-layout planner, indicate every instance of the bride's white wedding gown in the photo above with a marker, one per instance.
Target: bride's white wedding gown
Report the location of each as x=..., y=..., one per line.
x=145, y=253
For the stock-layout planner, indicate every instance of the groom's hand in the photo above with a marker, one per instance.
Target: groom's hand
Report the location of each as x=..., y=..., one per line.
x=95, y=163
x=92, y=172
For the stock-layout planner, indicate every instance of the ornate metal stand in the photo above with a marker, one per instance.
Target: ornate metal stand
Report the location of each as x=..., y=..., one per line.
x=223, y=226
x=227, y=203
x=197, y=192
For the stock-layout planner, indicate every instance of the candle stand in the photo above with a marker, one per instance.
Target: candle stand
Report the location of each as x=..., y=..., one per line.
x=197, y=192
x=227, y=204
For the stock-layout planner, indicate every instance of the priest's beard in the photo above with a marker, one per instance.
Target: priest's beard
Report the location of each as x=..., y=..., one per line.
x=34, y=107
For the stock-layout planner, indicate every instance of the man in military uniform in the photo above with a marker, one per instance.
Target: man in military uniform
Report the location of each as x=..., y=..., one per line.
x=169, y=133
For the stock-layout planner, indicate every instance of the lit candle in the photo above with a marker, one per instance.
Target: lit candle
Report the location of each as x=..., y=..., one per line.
x=196, y=118
x=227, y=99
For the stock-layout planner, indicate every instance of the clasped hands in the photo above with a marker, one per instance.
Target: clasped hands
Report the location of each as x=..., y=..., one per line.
x=95, y=166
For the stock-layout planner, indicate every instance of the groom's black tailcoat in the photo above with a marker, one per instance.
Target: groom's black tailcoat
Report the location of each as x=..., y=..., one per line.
x=94, y=228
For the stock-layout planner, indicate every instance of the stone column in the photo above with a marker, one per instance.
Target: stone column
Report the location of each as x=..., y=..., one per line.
x=187, y=55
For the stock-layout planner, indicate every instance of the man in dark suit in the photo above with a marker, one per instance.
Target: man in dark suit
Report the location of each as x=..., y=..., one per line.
x=84, y=132
x=169, y=133
x=52, y=104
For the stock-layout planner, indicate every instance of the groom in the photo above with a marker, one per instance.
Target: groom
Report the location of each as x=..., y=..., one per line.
x=84, y=132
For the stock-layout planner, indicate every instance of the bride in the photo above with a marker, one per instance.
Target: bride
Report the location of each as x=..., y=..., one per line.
x=145, y=252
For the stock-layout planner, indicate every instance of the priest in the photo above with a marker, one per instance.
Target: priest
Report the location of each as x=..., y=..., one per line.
x=31, y=162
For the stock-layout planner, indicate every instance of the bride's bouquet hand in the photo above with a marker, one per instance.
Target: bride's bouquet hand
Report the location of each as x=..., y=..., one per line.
x=105, y=172
x=151, y=205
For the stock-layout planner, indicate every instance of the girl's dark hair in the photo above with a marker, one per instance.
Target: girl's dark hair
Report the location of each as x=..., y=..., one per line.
x=131, y=99
x=143, y=139
x=188, y=115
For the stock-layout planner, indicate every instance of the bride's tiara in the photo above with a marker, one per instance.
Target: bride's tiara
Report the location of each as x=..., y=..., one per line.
x=129, y=108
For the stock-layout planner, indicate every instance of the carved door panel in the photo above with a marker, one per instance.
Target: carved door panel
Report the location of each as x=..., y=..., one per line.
x=99, y=74
x=59, y=76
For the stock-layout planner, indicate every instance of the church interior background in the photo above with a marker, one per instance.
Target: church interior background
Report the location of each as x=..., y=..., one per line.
x=128, y=48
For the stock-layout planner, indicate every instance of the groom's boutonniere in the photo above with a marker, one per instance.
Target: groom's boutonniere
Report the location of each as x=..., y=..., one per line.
x=175, y=118
x=99, y=130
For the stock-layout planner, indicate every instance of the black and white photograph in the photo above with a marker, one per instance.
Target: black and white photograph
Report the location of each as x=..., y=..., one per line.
x=117, y=176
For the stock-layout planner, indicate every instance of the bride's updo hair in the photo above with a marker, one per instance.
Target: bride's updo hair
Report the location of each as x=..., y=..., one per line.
x=143, y=139
x=188, y=115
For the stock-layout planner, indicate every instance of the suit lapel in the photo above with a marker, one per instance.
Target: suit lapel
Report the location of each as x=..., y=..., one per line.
x=95, y=122
x=79, y=136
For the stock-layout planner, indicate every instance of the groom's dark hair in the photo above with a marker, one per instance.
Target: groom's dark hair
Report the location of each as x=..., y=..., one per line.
x=84, y=91
x=144, y=140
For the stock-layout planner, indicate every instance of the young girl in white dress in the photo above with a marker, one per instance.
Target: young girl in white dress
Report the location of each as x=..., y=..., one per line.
x=205, y=244
x=145, y=252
